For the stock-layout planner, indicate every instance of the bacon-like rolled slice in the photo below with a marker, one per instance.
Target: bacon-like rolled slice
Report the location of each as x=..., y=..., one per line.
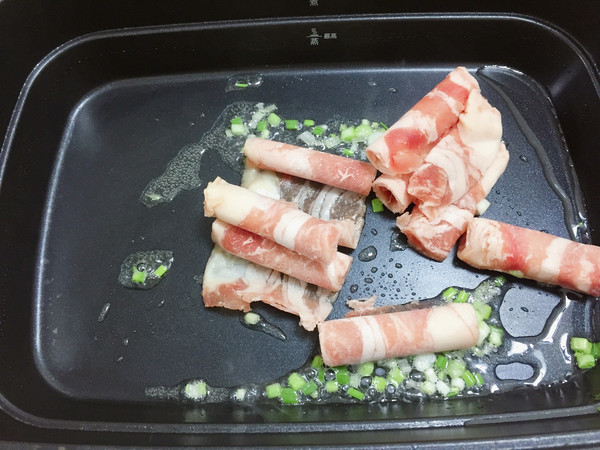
x=338, y=171
x=374, y=337
x=235, y=283
x=435, y=236
x=255, y=248
x=405, y=144
x=277, y=220
x=345, y=209
x=460, y=158
x=392, y=190
x=531, y=254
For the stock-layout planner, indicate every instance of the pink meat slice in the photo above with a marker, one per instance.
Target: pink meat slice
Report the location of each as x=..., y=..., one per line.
x=531, y=254
x=392, y=190
x=267, y=253
x=333, y=170
x=405, y=144
x=435, y=234
x=374, y=337
x=277, y=220
x=234, y=283
x=460, y=158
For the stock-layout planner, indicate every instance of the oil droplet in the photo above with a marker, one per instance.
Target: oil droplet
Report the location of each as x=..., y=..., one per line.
x=354, y=288
x=398, y=266
x=390, y=275
x=373, y=231
x=398, y=242
x=126, y=341
x=524, y=309
x=393, y=90
x=372, y=83
x=244, y=81
x=103, y=312
x=120, y=358
x=368, y=254
x=368, y=280
x=373, y=269
x=523, y=158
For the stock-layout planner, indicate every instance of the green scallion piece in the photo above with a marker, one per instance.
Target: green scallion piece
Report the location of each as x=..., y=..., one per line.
x=363, y=131
x=318, y=130
x=288, y=396
x=348, y=152
x=310, y=387
x=241, y=85
x=291, y=124
x=273, y=119
x=366, y=369
x=348, y=134
x=479, y=379
x=462, y=297
x=355, y=393
x=583, y=345
x=453, y=393
x=237, y=129
x=596, y=349
x=376, y=205
x=396, y=376
x=309, y=123
x=237, y=121
x=385, y=127
x=456, y=368
x=160, y=270
x=138, y=276
x=441, y=362
x=296, y=381
x=262, y=126
x=516, y=273
x=332, y=386
x=484, y=309
x=251, y=318
x=500, y=280
x=495, y=337
x=342, y=376
x=449, y=293
x=585, y=361
x=379, y=383
x=469, y=378
x=317, y=362
x=273, y=390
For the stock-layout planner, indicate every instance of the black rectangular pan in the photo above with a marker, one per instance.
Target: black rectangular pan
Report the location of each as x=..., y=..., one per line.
x=104, y=114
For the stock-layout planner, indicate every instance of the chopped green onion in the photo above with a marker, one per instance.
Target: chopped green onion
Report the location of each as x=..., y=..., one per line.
x=274, y=119
x=449, y=293
x=273, y=390
x=453, y=392
x=288, y=396
x=366, y=369
x=516, y=273
x=500, y=280
x=296, y=381
x=496, y=334
x=343, y=376
x=347, y=134
x=309, y=123
x=355, y=393
x=585, y=361
x=379, y=383
x=160, y=270
x=331, y=386
x=291, y=124
x=138, y=276
x=241, y=85
x=310, y=387
x=318, y=131
x=321, y=375
x=479, y=378
x=441, y=362
x=237, y=121
x=376, y=205
x=385, y=127
x=317, y=362
x=596, y=349
x=262, y=126
x=237, y=129
x=196, y=389
x=469, y=378
x=462, y=297
x=583, y=345
x=428, y=387
x=348, y=152
x=396, y=376
x=251, y=318
x=363, y=131
x=484, y=309
x=456, y=368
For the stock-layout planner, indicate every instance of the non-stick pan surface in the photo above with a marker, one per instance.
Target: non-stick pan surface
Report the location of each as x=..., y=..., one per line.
x=104, y=115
